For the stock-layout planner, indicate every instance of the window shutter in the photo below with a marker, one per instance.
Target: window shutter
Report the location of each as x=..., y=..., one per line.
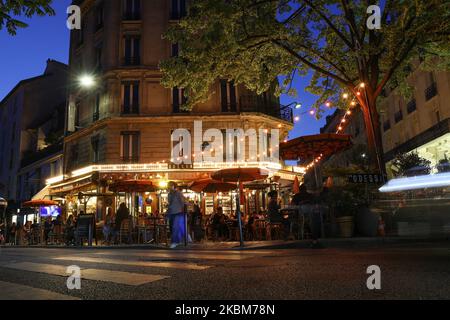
x=126, y=99
x=176, y=100
x=224, y=95
x=136, y=98
x=233, y=102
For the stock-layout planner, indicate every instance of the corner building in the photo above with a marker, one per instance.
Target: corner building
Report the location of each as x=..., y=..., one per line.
x=120, y=128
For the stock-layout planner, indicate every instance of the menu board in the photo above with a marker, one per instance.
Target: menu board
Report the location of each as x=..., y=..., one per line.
x=209, y=205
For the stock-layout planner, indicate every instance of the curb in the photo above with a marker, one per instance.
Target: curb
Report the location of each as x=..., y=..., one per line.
x=301, y=244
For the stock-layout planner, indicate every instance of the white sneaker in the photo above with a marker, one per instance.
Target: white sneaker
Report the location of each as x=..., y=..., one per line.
x=174, y=245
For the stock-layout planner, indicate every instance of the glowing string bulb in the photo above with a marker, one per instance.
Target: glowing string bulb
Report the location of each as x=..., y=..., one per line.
x=345, y=95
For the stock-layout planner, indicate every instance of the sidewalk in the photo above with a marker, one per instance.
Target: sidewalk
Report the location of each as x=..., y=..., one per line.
x=261, y=245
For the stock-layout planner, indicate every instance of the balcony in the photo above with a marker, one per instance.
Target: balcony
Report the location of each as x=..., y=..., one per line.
x=387, y=125
x=398, y=116
x=253, y=103
x=130, y=110
x=131, y=16
x=412, y=106
x=431, y=91
x=131, y=61
x=130, y=159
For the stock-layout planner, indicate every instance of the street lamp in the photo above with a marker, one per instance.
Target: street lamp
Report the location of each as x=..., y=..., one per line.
x=87, y=81
x=295, y=105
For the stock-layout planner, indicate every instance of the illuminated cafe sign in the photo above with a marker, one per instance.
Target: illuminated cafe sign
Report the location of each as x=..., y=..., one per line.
x=365, y=178
x=182, y=166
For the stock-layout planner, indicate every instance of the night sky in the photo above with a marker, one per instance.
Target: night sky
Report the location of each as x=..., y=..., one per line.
x=24, y=56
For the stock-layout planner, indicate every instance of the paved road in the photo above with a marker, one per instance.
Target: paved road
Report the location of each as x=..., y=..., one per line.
x=407, y=272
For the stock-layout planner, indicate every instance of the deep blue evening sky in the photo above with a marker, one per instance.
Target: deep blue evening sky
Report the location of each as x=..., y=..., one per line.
x=24, y=56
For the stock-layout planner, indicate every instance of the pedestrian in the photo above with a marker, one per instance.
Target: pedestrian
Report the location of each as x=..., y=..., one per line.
x=12, y=234
x=108, y=226
x=122, y=214
x=176, y=215
x=275, y=216
x=48, y=226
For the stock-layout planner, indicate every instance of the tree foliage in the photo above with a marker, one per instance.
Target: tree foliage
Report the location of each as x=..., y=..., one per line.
x=410, y=164
x=255, y=42
x=10, y=10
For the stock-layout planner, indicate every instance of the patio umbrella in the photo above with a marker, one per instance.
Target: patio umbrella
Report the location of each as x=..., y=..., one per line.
x=310, y=147
x=240, y=175
x=211, y=186
x=133, y=186
x=39, y=203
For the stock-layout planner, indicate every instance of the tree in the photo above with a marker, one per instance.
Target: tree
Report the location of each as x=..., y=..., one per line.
x=255, y=41
x=10, y=9
x=411, y=164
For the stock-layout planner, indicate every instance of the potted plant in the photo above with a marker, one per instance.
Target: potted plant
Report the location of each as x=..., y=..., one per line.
x=344, y=206
x=443, y=166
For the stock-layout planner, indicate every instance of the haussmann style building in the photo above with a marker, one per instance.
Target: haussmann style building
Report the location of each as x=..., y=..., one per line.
x=120, y=128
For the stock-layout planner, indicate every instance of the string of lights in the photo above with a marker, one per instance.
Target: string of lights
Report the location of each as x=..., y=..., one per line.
x=344, y=120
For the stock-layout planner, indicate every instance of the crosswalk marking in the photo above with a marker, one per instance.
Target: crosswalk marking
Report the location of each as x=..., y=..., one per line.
x=173, y=265
x=15, y=291
x=128, y=278
x=181, y=255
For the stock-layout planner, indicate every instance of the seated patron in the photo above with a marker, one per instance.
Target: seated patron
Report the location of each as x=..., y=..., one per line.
x=219, y=224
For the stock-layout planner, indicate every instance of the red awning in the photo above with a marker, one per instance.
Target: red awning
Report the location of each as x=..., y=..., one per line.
x=39, y=203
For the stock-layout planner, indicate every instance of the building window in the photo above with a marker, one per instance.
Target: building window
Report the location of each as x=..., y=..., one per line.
x=412, y=106
x=130, y=98
x=132, y=10
x=132, y=55
x=96, y=113
x=175, y=50
x=178, y=9
x=398, y=116
x=98, y=57
x=178, y=100
x=99, y=17
x=129, y=146
x=74, y=153
x=54, y=169
x=228, y=96
x=431, y=92
x=387, y=125
x=95, y=143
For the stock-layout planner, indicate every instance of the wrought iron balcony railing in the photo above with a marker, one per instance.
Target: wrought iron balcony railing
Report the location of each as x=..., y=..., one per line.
x=131, y=61
x=253, y=103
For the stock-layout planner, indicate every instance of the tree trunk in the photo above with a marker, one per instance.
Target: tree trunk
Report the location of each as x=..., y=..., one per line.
x=374, y=136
